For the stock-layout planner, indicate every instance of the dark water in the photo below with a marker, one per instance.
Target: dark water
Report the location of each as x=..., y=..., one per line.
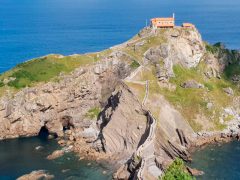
x=19, y=156
x=220, y=162
x=32, y=28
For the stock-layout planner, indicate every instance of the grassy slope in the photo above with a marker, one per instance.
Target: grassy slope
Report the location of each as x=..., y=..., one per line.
x=43, y=69
x=190, y=102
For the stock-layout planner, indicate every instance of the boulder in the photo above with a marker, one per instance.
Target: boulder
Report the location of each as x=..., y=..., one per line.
x=192, y=84
x=56, y=154
x=194, y=172
x=209, y=105
x=36, y=175
x=229, y=91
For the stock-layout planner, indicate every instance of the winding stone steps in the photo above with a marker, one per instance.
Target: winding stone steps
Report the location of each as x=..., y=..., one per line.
x=146, y=152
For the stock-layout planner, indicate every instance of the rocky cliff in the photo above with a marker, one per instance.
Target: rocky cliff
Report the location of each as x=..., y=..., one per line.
x=142, y=103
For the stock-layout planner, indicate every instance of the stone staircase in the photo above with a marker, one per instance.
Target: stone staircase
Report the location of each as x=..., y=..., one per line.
x=148, y=166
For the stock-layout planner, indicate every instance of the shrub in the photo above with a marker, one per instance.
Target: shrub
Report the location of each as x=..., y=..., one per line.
x=134, y=64
x=93, y=113
x=1, y=84
x=212, y=49
x=177, y=171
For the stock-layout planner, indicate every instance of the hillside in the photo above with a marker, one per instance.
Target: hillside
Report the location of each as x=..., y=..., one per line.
x=142, y=103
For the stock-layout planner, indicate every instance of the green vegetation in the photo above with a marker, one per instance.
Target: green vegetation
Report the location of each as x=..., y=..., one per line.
x=1, y=84
x=232, y=70
x=149, y=42
x=194, y=101
x=42, y=69
x=93, y=113
x=212, y=48
x=177, y=171
x=134, y=64
x=233, y=66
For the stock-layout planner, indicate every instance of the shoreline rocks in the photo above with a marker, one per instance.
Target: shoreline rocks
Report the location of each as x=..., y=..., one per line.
x=36, y=175
x=56, y=154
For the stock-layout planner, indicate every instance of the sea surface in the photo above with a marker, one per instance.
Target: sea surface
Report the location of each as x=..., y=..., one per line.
x=20, y=156
x=33, y=28
x=219, y=162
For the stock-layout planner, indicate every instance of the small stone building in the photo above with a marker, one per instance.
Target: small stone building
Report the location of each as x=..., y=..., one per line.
x=168, y=22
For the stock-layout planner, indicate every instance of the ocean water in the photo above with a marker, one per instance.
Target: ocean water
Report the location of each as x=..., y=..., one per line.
x=19, y=156
x=219, y=162
x=31, y=29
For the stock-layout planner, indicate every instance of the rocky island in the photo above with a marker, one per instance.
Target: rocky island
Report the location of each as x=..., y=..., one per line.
x=141, y=105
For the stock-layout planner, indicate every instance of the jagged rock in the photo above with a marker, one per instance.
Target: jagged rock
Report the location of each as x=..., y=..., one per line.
x=48, y=104
x=229, y=91
x=183, y=49
x=194, y=172
x=175, y=33
x=209, y=105
x=145, y=32
x=39, y=148
x=36, y=175
x=236, y=78
x=119, y=121
x=56, y=154
x=192, y=84
x=123, y=126
x=138, y=45
x=122, y=173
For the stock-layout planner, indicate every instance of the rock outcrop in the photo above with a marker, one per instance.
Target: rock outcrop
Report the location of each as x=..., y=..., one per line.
x=60, y=105
x=36, y=175
x=142, y=132
x=124, y=112
x=186, y=49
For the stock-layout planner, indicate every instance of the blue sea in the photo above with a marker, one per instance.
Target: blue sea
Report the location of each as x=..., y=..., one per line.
x=33, y=28
x=21, y=156
x=218, y=161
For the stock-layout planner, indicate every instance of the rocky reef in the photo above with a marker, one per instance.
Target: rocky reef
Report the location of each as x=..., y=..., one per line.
x=140, y=104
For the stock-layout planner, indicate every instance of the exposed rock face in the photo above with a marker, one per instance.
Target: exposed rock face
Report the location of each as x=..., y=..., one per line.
x=192, y=84
x=36, y=175
x=173, y=136
x=195, y=172
x=144, y=136
x=59, y=105
x=119, y=122
x=56, y=154
x=186, y=49
x=229, y=91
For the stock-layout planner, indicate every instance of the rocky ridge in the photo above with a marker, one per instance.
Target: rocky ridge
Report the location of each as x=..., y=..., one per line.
x=139, y=127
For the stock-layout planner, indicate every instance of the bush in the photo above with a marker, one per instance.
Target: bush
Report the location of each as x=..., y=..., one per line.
x=212, y=49
x=1, y=84
x=135, y=64
x=93, y=113
x=177, y=171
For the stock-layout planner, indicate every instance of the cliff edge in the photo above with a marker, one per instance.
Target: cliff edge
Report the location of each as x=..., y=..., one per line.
x=142, y=103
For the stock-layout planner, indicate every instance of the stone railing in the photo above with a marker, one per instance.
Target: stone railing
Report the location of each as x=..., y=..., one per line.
x=148, y=141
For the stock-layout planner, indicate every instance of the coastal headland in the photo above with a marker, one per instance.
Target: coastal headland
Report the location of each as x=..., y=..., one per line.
x=139, y=105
